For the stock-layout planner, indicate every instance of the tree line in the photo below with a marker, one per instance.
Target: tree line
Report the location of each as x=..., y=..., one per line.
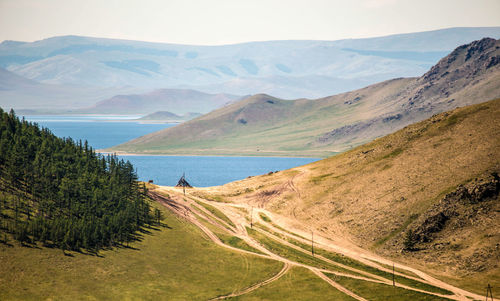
x=62, y=193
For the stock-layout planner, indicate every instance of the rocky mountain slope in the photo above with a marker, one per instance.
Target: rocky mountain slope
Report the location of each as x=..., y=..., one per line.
x=265, y=125
x=426, y=195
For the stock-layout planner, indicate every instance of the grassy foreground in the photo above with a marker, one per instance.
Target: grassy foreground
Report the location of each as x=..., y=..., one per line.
x=382, y=292
x=174, y=263
x=296, y=284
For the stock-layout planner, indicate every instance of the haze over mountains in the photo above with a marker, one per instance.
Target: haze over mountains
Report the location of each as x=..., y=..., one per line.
x=71, y=72
x=266, y=125
x=181, y=101
x=165, y=116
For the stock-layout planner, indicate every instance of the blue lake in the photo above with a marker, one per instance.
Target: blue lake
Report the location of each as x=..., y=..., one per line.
x=100, y=131
x=106, y=131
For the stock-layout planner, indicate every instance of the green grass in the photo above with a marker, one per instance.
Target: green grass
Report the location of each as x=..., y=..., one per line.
x=394, y=153
x=317, y=179
x=178, y=262
x=329, y=255
x=295, y=255
x=242, y=210
x=400, y=279
x=261, y=226
x=363, y=267
x=297, y=284
x=382, y=292
x=236, y=242
x=396, y=231
x=216, y=212
x=406, y=272
x=265, y=218
x=226, y=238
x=285, y=230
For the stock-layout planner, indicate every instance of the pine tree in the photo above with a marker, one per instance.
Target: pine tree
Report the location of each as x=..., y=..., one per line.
x=62, y=192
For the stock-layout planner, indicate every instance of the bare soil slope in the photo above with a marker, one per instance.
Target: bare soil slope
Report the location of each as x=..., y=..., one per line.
x=374, y=194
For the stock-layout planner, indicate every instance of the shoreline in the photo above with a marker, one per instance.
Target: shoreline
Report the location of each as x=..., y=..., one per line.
x=117, y=118
x=118, y=153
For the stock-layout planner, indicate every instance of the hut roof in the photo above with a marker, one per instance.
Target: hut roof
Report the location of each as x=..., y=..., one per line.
x=182, y=182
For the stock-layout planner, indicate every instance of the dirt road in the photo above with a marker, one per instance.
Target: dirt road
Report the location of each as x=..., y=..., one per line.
x=188, y=207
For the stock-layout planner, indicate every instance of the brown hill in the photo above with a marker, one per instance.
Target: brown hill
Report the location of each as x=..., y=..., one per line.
x=264, y=125
x=409, y=180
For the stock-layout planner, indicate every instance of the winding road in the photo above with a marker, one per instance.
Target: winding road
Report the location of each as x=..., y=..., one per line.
x=188, y=207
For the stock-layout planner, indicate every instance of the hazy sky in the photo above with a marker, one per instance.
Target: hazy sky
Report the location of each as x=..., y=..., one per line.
x=213, y=22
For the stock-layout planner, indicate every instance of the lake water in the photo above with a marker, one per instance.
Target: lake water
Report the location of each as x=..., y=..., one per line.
x=100, y=131
x=106, y=131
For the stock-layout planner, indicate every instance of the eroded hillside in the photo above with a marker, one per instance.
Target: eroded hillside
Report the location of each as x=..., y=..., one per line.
x=375, y=193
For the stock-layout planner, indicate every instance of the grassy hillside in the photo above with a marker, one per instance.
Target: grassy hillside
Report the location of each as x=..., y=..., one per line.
x=61, y=193
x=263, y=125
x=306, y=287
x=375, y=193
x=174, y=262
x=268, y=126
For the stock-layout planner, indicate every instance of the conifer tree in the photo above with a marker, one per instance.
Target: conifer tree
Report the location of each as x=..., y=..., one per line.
x=61, y=192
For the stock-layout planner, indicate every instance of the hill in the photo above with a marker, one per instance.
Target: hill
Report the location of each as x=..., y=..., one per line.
x=426, y=195
x=265, y=125
x=165, y=116
x=234, y=247
x=20, y=93
x=62, y=194
x=173, y=260
x=180, y=101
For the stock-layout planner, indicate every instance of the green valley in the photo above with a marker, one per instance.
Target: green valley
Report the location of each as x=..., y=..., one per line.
x=174, y=262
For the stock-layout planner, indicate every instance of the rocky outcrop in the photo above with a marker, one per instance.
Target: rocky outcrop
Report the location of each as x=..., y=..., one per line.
x=441, y=89
x=460, y=206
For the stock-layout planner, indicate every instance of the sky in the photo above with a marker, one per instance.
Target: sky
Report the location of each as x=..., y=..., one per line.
x=218, y=22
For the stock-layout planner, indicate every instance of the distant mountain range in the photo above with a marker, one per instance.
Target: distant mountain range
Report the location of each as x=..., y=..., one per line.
x=72, y=72
x=31, y=96
x=180, y=101
x=165, y=116
x=266, y=125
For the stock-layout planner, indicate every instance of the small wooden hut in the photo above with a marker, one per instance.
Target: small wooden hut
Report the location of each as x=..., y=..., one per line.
x=183, y=183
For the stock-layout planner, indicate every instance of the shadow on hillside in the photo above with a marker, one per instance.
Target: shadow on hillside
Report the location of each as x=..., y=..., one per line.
x=138, y=236
x=6, y=243
x=31, y=245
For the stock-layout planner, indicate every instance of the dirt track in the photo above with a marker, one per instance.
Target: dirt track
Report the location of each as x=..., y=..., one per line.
x=187, y=208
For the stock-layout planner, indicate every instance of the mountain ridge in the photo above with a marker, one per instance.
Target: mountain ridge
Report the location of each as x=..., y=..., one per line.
x=165, y=116
x=266, y=125
x=283, y=68
x=180, y=101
